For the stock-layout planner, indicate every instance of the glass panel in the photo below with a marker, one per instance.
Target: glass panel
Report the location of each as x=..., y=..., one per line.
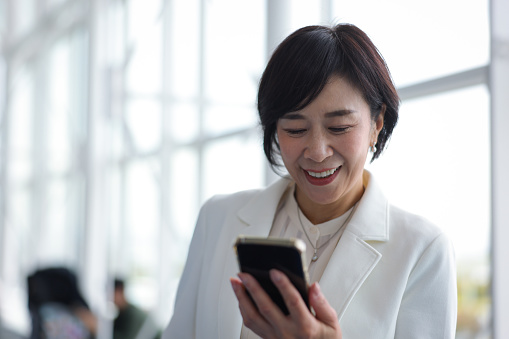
x=59, y=235
x=23, y=240
x=183, y=211
x=118, y=235
x=145, y=42
x=24, y=14
x=54, y=3
x=233, y=164
x=20, y=128
x=142, y=213
x=423, y=40
x=233, y=62
x=304, y=13
x=58, y=134
x=3, y=78
x=223, y=119
x=183, y=55
x=19, y=245
x=144, y=126
x=437, y=165
x=184, y=124
x=183, y=194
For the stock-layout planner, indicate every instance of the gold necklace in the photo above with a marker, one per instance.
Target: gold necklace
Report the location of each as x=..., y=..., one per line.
x=315, y=255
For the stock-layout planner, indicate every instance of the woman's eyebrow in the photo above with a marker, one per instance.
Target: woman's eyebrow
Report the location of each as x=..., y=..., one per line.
x=293, y=116
x=337, y=113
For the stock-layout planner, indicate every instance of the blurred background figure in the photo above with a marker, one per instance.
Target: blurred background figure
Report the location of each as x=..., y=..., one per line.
x=57, y=308
x=131, y=321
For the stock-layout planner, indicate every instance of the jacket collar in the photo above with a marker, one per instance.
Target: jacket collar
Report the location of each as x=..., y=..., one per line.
x=370, y=221
x=261, y=210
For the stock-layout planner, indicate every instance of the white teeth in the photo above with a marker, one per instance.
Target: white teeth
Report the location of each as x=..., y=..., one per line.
x=322, y=174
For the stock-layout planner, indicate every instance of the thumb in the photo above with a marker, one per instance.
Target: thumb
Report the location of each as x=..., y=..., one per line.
x=324, y=312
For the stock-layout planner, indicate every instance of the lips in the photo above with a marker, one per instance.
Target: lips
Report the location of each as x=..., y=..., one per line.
x=323, y=174
x=322, y=178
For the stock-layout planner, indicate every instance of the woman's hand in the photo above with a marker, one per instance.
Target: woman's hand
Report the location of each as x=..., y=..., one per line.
x=267, y=320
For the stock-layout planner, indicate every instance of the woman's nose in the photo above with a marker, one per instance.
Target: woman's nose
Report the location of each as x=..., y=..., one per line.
x=318, y=148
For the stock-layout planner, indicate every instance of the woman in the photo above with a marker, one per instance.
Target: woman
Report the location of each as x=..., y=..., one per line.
x=326, y=99
x=57, y=308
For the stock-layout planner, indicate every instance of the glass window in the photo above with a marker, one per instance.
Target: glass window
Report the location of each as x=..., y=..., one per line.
x=145, y=47
x=234, y=53
x=232, y=164
x=58, y=239
x=58, y=133
x=184, y=189
x=438, y=165
x=423, y=40
x=184, y=123
x=142, y=224
x=182, y=55
x=220, y=119
x=304, y=13
x=20, y=128
x=144, y=125
x=24, y=15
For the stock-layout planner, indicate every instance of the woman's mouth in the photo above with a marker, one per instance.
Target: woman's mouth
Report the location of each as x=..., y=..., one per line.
x=322, y=178
x=323, y=174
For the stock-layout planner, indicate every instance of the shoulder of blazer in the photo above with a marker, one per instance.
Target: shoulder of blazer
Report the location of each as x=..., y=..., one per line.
x=248, y=204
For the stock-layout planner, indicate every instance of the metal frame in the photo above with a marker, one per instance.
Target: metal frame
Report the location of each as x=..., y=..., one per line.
x=499, y=86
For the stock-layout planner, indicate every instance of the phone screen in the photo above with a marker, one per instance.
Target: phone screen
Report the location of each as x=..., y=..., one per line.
x=258, y=259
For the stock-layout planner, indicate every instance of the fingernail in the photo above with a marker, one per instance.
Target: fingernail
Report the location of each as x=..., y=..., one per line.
x=235, y=287
x=275, y=275
x=317, y=291
x=317, y=287
x=243, y=278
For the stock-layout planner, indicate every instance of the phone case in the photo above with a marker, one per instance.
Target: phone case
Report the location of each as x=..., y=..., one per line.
x=257, y=256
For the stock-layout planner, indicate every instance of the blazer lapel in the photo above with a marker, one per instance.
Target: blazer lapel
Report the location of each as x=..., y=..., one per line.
x=255, y=219
x=350, y=265
x=354, y=258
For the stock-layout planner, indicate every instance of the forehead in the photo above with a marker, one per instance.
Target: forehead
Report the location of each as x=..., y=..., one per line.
x=338, y=98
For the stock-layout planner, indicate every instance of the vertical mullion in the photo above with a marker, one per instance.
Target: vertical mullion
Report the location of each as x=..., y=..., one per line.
x=201, y=100
x=4, y=135
x=167, y=149
x=278, y=26
x=499, y=87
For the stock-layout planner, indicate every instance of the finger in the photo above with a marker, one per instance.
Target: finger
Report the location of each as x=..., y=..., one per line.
x=290, y=294
x=265, y=306
x=324, y=312
x=248, y=310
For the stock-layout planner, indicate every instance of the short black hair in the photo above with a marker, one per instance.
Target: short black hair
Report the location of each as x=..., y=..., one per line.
x=304, y=62
x=54, y=285
x=119, y=283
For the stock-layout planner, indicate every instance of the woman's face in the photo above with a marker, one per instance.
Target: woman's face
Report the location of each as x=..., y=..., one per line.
x=324, y=147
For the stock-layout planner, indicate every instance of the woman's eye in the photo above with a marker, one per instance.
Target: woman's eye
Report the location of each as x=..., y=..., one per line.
x=338, y=129
x=295, y=131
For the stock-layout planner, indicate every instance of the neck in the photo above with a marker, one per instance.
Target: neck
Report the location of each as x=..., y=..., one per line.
x=320, y=213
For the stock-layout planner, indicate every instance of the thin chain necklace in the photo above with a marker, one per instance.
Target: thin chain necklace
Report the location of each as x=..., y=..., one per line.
x=315, y=255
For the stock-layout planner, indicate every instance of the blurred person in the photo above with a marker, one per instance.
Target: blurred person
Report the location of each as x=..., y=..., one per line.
x=326, y=101
x=57, y=307
x=131, y=322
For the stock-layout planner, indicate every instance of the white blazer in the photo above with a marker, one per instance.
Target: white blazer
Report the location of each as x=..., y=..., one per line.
x=392, y=274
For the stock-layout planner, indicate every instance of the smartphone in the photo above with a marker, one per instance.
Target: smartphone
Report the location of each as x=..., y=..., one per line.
x=257, y=256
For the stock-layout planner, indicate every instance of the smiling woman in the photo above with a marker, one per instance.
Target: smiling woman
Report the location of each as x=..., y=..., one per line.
x=325, y=99
x=324, y=148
